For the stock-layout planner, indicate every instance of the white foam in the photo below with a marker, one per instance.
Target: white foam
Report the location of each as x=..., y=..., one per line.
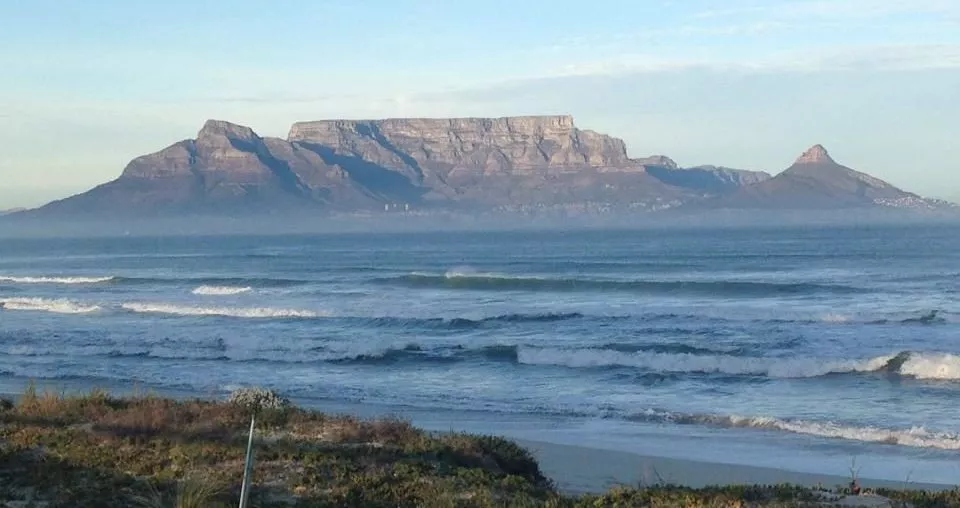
x=942, y=366
x=470, y=273
x=917, y=436
x=54, y=280
x=685, y=362
x=242, y=312
x=832, y=317
x=58, y=305
x=221, y=290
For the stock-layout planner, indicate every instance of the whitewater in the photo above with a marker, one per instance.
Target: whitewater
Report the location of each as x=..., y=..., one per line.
x=809, y=345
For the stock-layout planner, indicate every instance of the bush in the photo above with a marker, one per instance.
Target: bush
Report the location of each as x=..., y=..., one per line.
x=258, y=399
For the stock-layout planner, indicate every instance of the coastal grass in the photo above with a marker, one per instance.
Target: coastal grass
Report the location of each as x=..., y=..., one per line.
x=97, y=450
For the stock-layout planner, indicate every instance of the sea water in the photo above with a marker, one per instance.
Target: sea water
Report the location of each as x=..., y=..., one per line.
x=804, y=348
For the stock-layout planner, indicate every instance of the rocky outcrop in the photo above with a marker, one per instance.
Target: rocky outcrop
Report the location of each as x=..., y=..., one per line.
x=658, y=161
x=816, y=154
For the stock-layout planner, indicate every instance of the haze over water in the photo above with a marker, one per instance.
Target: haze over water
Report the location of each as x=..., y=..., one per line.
x=794, y=347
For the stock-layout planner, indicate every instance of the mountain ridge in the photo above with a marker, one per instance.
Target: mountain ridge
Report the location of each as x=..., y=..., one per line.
x=515, y=164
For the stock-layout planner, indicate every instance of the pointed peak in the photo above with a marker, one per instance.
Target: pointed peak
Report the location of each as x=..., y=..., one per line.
x=225, y=129
x=816, y=154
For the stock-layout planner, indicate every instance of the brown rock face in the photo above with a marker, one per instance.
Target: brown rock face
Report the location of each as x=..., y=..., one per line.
x=470, y=161
x=513, y=145
x=816, y=154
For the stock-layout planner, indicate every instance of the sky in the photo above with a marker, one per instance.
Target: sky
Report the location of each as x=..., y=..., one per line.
x=750, y=84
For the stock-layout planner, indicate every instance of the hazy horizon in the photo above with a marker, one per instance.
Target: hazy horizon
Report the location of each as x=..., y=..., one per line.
x=749, y=85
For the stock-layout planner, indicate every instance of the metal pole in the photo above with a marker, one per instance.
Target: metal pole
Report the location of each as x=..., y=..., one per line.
x=247, y=467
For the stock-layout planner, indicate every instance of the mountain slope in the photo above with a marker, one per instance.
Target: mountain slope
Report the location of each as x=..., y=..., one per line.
x=467, y=163
x=227, y=168
x=525, y=164
x=816, y=181
x=711, y=179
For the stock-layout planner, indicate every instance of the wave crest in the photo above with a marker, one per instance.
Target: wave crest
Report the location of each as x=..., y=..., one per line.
x=207, y=290
x=54, y=279
x=689, y=362
x=939, y=366
x=240, y=312
x=56, y=305
x=926, y=366
x=919, y=437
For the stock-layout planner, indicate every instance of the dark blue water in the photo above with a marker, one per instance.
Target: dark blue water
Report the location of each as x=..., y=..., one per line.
x=798, y=347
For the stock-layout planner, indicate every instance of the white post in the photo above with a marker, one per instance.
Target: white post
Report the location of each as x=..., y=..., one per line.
x=247, y=467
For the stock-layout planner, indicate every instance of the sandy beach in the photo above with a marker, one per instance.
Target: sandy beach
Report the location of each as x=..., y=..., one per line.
x=578, y=469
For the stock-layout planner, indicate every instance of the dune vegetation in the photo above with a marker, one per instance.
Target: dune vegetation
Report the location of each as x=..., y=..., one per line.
x=97, y=450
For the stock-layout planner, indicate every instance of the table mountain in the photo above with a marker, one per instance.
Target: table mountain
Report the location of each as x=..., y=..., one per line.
x=513, y=163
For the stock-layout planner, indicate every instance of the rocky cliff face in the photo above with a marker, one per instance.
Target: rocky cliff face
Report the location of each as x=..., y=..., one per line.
x=464, y=159
x=512, y=145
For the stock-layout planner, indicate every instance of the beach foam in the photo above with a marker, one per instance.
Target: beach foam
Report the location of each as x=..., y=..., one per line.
x=917, y=436
x=57, y=305
x=220, y=290
x=942, y=366
x=54, y=280
x=240, y=312
x=697, y=363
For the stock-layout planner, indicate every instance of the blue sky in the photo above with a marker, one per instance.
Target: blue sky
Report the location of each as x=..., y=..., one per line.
x=744, y=83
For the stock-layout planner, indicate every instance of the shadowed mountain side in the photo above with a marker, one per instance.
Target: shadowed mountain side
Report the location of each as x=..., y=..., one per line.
x=710, y=179
x=227, y=168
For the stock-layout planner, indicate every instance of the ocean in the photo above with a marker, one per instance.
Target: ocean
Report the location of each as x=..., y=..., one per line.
x=802, y=348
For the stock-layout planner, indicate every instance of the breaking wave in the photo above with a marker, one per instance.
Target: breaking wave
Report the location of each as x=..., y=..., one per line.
x=496, y=282
x=417, y=353
x=915, y=436
x=929, y=366
x=57, y=305
x=220, y=290
x=210, y=281
x=240, y=312
x=54, y=280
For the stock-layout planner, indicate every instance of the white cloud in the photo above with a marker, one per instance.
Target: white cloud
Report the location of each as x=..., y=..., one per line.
x=875, y=57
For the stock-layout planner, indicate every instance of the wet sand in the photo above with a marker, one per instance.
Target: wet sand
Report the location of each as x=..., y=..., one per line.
x=578, y=469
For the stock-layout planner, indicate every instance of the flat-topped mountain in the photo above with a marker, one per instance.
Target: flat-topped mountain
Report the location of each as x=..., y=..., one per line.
x=524, y=163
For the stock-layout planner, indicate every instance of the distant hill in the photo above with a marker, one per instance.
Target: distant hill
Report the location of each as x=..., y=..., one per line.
x=512, y=164
x=816, y=181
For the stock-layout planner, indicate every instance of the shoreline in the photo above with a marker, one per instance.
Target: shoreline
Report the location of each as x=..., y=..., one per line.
x=585, y=470
x=582, y=469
